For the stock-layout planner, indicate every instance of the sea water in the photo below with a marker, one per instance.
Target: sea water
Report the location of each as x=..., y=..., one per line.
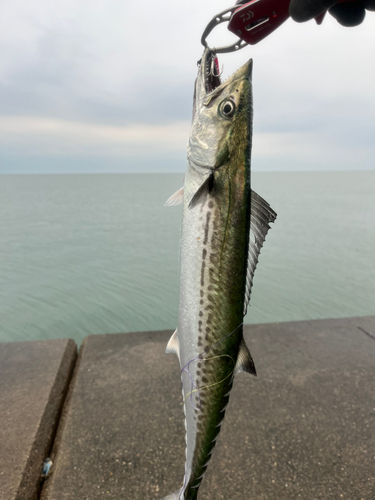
x=89, y=254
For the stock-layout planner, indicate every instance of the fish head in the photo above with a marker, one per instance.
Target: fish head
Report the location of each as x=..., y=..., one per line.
x=222, y=113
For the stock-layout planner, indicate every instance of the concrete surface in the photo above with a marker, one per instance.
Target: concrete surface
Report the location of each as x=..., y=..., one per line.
x=34, y=378
x=304, y=429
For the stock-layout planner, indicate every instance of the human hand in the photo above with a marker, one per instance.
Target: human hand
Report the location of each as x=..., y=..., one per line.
x=347, y=13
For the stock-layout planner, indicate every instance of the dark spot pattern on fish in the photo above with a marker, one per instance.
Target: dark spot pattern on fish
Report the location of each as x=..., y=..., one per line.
x=207, y=227
x=202, y=273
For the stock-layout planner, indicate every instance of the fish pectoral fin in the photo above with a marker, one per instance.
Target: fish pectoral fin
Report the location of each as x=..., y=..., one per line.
x=173, y=345
x=201, y=194
x=176, y=199
x=245, y=362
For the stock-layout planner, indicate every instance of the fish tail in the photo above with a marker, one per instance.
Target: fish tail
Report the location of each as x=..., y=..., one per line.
x=173, y=496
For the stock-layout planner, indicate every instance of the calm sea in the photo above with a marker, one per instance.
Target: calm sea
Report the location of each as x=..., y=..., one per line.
x=88, y=254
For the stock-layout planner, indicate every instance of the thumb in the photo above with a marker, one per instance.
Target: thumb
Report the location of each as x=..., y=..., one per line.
x=304, y=10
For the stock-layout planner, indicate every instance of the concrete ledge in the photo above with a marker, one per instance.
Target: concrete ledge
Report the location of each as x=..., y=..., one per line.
x=34, y=378
x=304, y=429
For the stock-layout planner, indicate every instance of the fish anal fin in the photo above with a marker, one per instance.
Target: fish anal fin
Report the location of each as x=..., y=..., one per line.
x=176, y=199
x=173, y=345
x=204, y=189
x=245, y=362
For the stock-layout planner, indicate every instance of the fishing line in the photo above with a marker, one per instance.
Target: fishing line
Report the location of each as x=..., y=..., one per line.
x=186, y=368
x=216, y=383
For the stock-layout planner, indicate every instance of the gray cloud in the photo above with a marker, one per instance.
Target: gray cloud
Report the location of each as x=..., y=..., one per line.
x=118, y=64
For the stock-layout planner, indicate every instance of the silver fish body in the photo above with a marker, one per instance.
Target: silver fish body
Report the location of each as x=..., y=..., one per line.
x=224, y=226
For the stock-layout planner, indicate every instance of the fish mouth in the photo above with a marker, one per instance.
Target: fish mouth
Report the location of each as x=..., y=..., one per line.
x=210, y=75
x=208, y=78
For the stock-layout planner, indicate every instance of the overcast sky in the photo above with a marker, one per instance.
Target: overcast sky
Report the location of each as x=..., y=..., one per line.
x=106, y=86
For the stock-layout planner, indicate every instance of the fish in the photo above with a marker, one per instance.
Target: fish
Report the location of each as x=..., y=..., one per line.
x=224, y=226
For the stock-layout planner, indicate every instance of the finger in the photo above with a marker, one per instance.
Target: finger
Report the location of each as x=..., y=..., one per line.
x=304, y=10
x=349, y=13
x=370, y=4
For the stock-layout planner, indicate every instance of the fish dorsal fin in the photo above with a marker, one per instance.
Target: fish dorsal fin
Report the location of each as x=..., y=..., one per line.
x=176, y=199
x=245, y=362
x=201, y=193
x=173, y=345
x=260, y=218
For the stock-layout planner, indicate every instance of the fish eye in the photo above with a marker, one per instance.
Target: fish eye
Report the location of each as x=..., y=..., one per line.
x=227, y=109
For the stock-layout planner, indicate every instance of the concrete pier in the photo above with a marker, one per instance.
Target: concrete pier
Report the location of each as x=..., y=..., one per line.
x=34, y=379
x=303, y=429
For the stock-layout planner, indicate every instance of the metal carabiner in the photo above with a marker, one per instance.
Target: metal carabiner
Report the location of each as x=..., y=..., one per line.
x=222, y=17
